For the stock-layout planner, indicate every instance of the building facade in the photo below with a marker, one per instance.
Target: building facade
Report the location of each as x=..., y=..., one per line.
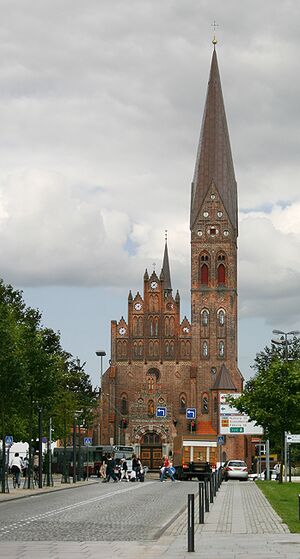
x=158, y=359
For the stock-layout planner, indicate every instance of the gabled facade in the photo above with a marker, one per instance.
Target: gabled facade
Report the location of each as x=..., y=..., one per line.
x=159, y=360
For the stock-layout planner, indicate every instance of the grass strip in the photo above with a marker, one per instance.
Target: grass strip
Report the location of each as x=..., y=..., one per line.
x=283, y=497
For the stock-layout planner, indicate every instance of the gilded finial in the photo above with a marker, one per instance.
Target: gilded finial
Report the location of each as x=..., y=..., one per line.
x=214, y=25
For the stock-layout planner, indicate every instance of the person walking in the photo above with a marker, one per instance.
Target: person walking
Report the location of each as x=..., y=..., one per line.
x=166, y=470
x=124, y=469
x=16, y=467
x=110, y=469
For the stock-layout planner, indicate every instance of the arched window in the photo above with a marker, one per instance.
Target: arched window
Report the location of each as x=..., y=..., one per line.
x=119, y=348
x=205, y=349
x=204, y=317
x=124, y=349
x=124, y=408
x=151, y=327
x=188, y=349
x=150, y=383
x=172, y=326
x=221, y=349
x=204, y=406
x=156, y=349
x=182, y=403
x=151, y=408
x=172, y=349
x=167, y=326
x=151, y=347
x=221, y=274
x=140, y=350
x=156, y=327
x=182, y=349
x=221, y=317
x=135, y=326
x=135, y=349
x=204, y=274
x=167, y=349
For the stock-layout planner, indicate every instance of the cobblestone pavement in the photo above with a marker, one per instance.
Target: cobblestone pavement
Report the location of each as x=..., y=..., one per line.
x=240, y=525
x=122, y=511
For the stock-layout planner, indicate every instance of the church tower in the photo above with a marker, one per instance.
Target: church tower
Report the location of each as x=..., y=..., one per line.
x=214, y=231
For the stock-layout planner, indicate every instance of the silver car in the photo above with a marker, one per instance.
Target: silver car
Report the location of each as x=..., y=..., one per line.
x=235, y=469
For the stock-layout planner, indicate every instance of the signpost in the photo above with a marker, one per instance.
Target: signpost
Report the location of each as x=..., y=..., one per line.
x=161, y=411
x=191, y=413
x=232, y=422
x=9, y=440
x=292, y=438
x=87, y=441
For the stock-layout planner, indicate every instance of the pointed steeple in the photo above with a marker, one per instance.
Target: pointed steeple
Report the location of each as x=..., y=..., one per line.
x=165, y=272
x=214, y=160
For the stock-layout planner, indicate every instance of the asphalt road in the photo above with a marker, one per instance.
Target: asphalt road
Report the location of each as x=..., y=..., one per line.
x=98, y=512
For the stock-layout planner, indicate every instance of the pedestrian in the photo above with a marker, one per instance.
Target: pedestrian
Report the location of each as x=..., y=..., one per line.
x=124, y=468
x=110, y=468
x=167, y=469
x=16, y=467
x=102, y=471
x=277, y=470
x=25, y=465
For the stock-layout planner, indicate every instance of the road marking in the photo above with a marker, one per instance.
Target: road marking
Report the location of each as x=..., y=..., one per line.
x=10, y=527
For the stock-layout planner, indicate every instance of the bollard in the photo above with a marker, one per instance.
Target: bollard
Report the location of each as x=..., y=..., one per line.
x=191, y=522
x=206, y=498
x=211, y=489
x=201, y=502
x=215, y=483
x=217, y=480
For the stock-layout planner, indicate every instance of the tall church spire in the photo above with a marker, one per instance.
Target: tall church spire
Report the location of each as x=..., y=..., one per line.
x=165, y=272
x=214, y=160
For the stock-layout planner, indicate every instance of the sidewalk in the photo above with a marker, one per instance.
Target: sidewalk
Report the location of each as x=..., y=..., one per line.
x=241, y=524
x=58, y=486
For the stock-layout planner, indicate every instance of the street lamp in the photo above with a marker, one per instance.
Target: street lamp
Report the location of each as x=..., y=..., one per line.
x=100, y=353
x=284, y=339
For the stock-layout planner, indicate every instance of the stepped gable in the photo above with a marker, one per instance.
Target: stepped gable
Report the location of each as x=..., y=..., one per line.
x=185, y=327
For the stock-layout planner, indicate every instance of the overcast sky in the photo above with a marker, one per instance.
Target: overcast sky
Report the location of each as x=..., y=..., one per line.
x=101, y=104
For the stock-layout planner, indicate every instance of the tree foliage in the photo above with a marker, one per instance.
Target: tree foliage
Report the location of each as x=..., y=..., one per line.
x=36, y=373
x=272, y=396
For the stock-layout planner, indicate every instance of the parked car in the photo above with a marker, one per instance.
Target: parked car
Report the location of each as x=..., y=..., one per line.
x=235, y=469
x=263, y=475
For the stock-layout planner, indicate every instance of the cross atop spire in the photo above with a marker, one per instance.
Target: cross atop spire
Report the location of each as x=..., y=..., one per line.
x=214, y=25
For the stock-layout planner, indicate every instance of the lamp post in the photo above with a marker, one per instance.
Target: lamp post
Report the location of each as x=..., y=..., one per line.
x=284, y=341
x=100, y=353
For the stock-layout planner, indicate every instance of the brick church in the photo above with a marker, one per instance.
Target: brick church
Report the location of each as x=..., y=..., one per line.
x=159, y=359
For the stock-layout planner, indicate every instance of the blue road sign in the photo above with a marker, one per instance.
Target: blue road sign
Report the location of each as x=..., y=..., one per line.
x=161, y=412
x=190, y=413
x=9, y=440
x=87, y=441
x=221, y=440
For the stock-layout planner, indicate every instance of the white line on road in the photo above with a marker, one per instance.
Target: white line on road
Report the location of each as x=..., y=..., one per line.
x=9, y=527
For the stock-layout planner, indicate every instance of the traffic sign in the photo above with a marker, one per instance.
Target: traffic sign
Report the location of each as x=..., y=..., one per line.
x=236, y=429
x=191, y=413
x=161, y=411
x=87, y=441
x=9, y=440
x=292, y=438
x=221, y=440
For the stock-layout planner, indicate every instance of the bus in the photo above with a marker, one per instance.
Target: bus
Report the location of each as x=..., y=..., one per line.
x=90, y=459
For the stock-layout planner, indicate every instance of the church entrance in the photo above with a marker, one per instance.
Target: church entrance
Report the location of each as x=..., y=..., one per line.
x=151, y=451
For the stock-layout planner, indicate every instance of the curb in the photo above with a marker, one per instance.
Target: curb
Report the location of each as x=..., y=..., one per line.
x=43, y=491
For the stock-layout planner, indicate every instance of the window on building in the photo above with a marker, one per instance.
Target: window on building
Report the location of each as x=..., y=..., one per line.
x=204, y=406
x=221, y=274
x=151, y=408
x=124, y=407
x=205, y=349
x=204, y=317
x=221, y=317
x=204, y=274
x=221, y=349
x=182, y=403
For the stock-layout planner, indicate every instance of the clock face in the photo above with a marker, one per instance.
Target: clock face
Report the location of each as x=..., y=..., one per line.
x=170, y=306
x=153, y=285
x=186, y=330
x=137, y=306
x=219, y=214
x=199, y=233
x=226, y=233
x=122, y=331
x=205, y=214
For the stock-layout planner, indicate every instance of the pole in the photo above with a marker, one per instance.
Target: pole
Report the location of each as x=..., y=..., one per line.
x=268, y=459
x=50, y=451
x=40, y=449
x=3, y=464
x=290, y=464
x=285, y=456
x=201, y=502
x=206, y=496
x=191, y=523
x=74, y=450
x=79, y=453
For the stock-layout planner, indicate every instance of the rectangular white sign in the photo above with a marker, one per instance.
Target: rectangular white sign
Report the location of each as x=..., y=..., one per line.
x=232, y=422
x=292, y=438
